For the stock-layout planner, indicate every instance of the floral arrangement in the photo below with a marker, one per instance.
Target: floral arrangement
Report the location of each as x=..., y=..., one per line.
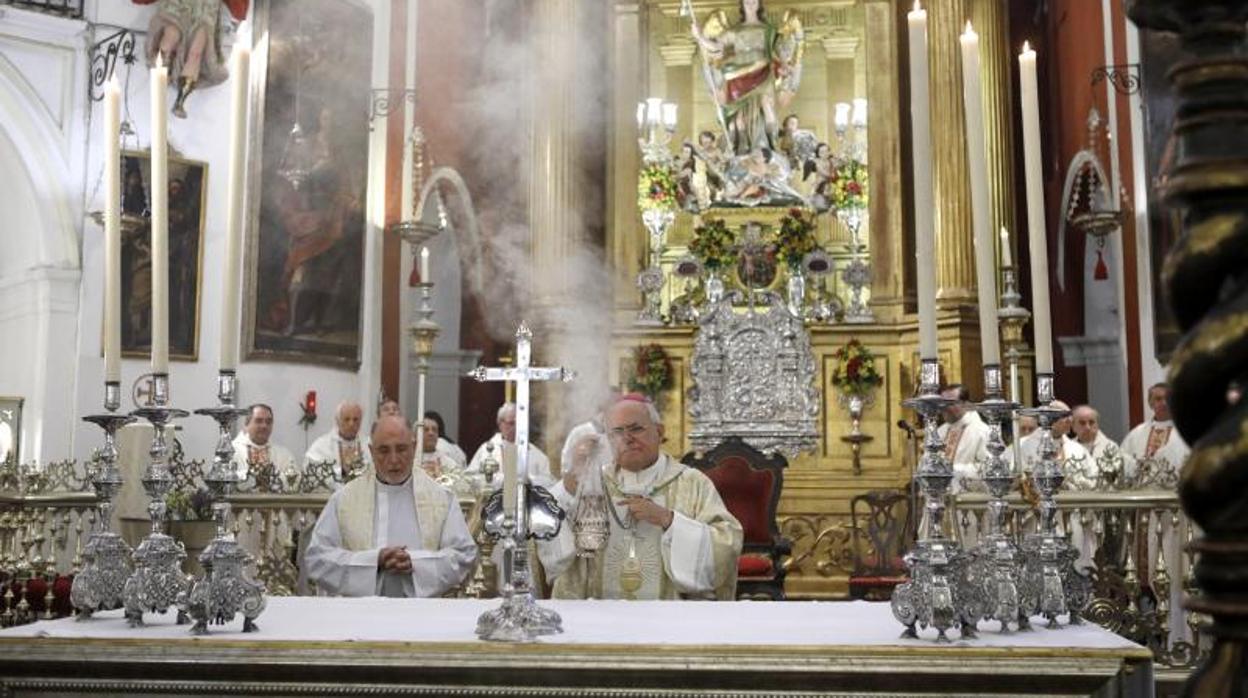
x=189, y=506
x=848, y=186
x=652, y=370
x=656, y=188
x=855, y=373
x=713, y=244
x=796, y=237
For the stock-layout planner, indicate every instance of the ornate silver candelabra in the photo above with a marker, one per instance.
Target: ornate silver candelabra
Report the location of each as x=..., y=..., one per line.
x=98, y=587
x=225, y=589
x=997, y=559
x=656, y=120
x=157, y=581
x=1049, y=559
x=937, y=594
x=856, y=274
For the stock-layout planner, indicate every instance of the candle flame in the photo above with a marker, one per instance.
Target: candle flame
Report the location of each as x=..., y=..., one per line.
x=160, y=60
x=969, y=28
x=1026, y=46
x=917, y=6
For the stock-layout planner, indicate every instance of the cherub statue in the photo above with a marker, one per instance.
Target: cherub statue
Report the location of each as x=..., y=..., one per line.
x=751, y=68
x=187, y=35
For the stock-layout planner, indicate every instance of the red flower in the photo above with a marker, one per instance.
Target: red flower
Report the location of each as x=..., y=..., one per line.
x=854, y=188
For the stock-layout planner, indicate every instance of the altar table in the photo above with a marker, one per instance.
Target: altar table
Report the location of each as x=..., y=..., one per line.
x=427, y=647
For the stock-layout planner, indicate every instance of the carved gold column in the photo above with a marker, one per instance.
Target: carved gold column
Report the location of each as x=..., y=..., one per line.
x=887, y=242
x=677, y=57
x=839, y=50
x=992, y=22
x=955, y=276
x=625, y=239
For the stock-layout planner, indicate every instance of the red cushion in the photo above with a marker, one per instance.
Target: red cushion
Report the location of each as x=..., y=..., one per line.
x=753, y=566
x=747, y=494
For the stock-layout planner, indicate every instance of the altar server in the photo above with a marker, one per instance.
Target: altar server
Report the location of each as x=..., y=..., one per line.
x=343, y=446
x=670, y=535
x=395, y=534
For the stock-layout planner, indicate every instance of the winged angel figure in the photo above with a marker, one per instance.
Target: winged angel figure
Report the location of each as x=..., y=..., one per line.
x=752, y=69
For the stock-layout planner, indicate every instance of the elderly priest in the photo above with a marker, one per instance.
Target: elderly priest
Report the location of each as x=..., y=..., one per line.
x=670, y=535
x=396, y=534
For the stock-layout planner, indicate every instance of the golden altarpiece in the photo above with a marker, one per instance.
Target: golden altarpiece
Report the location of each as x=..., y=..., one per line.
x=853, y=52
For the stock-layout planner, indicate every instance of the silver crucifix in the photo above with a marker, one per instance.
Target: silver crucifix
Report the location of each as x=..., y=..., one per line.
x=536, y=514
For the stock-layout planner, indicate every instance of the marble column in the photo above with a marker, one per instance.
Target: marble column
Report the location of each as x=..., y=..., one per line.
x=955, y=278
x=992, y=22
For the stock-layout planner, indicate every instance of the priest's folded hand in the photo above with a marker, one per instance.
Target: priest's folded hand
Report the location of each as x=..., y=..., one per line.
x=643, y=509
x=394, y=559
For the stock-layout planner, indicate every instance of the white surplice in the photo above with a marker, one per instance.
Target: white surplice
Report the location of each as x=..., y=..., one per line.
x=440, y=558
x=278, y=455
x=966, y=446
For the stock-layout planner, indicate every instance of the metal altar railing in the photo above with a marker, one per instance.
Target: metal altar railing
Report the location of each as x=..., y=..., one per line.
x=1133, y=544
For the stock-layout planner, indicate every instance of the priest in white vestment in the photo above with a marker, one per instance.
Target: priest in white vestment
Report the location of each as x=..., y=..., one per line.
x=397, y=533
x=670, y=535
x=966, y=440
x=343, y=446
x=254, y=448
x=444, y=446
x=1086, y=422
x=1157, y=442
x=539, y=464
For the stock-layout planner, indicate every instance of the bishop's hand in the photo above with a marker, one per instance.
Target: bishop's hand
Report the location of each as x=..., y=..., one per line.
x=580, y=462
x=642, y=509
x=394, y=559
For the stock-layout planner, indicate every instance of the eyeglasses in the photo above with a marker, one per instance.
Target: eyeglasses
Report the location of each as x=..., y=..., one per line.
x=630, y=431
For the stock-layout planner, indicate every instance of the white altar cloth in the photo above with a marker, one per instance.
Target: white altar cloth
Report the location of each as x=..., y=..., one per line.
x=645, y=624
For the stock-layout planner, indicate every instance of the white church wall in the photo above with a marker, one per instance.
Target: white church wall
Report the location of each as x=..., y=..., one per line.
x=40, y=149
x=57, y=366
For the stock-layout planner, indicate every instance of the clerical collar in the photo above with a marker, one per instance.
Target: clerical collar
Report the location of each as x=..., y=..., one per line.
x=345, y=440
x=1162, y=423
x=383, y=483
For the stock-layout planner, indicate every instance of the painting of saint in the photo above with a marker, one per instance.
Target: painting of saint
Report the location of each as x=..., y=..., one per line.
x=307, y=235
x=187, y=189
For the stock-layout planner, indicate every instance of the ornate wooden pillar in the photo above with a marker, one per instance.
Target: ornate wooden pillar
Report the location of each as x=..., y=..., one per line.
x=1204, y=276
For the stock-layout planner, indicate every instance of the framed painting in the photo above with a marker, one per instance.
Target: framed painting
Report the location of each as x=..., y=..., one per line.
x=188, y=182
x=10, y=428
x=308, y=178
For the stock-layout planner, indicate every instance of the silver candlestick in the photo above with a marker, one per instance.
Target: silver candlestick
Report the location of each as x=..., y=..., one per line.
x=98, y=587
x=936, y=594
x=1049, y=559
x=157, y=581
x=997, y=557
x=225, y=589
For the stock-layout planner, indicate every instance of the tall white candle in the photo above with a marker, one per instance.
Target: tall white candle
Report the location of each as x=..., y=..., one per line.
x=112, y=231
x=424, y=266
x=977, y=164
x=1007, y=258
x=160, y=219
x=1037, y=243
x=239, y=69
x=921, y=136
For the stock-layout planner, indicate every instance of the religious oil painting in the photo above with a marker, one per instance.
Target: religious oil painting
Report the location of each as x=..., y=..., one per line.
x=10, y=428
x=307, y=185
x=188, y=182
